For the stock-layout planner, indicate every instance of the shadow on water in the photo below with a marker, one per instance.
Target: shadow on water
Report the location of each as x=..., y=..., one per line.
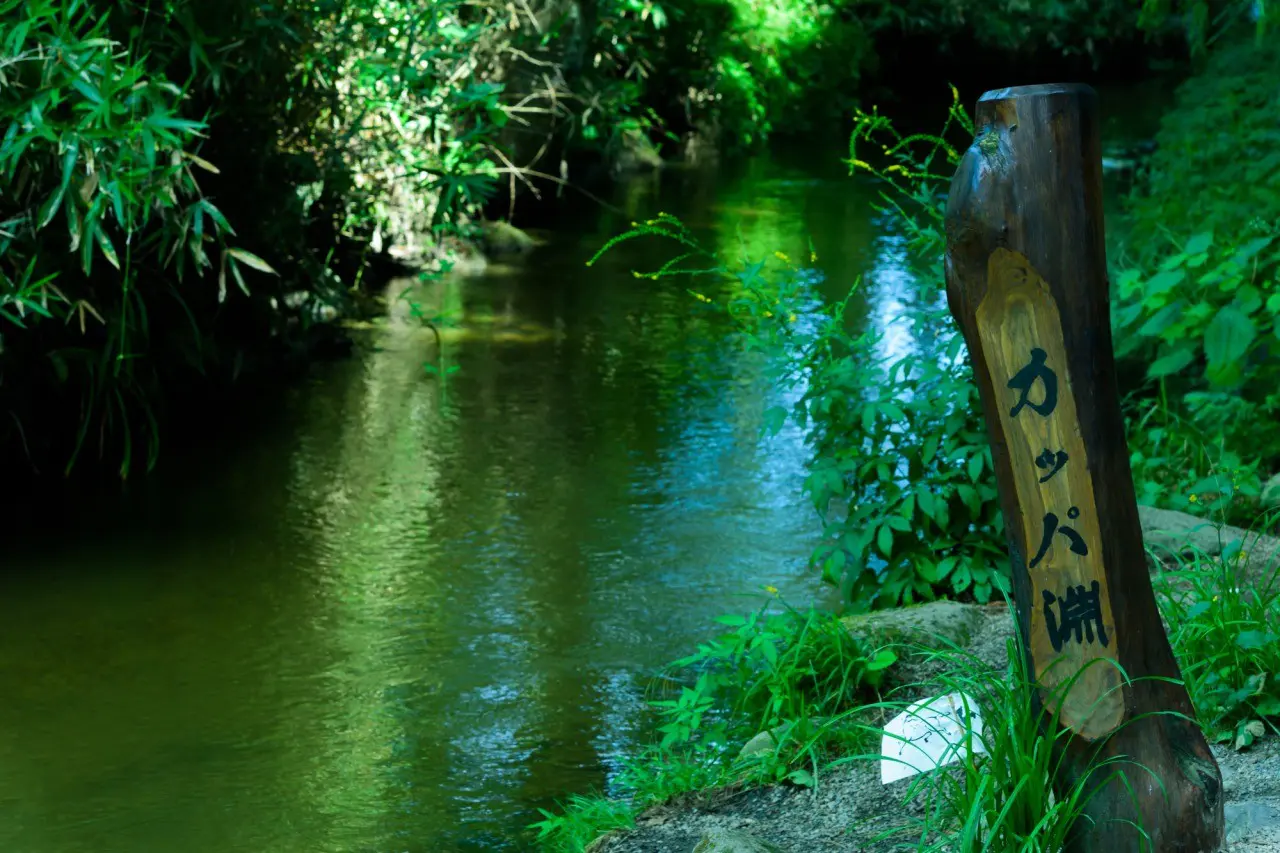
x=385, y=612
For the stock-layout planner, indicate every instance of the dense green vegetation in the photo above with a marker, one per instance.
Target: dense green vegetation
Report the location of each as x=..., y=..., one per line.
x=189, y=188
x=1196, y=297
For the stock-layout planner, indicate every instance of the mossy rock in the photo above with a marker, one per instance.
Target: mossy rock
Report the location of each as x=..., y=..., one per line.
x=634, y=152
x=733, y=841
x=1270, y=498
x=1169, y=533
x=766, y=742
x=503, y=238
x=763, y=743
x=948, y=621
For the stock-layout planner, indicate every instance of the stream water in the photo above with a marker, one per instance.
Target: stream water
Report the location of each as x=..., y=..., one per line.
x=393, y=613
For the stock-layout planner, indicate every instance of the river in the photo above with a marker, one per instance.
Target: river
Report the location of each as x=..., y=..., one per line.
x=388, y=612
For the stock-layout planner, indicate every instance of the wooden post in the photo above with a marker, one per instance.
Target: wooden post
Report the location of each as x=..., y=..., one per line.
x=1027, y=282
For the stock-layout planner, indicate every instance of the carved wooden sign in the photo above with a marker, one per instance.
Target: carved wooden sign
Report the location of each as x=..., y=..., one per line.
x=1073, y=633
x=1027, y=283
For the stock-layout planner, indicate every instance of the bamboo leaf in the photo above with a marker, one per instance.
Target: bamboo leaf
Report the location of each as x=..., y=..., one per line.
x=50, y=208
x=235, y=270
x=252, y=260
x=202, y=163
x=108, y=250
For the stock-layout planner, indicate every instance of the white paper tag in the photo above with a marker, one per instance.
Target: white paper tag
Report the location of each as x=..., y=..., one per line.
x=929, y=734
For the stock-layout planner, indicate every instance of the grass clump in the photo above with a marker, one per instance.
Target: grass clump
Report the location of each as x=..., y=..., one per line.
x=580, y=821
x=998, y=793
x=1224, y=624
x=787, y=673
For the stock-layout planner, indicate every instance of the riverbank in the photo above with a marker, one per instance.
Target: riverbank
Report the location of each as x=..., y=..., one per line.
x=836, y=801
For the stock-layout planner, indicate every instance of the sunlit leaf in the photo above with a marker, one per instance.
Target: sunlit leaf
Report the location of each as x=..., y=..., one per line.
x=202, y=163
x=251, y=260
x=108, y=250
x=1163, y=282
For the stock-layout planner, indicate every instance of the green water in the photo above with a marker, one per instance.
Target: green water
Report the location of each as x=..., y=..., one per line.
x=384, y=613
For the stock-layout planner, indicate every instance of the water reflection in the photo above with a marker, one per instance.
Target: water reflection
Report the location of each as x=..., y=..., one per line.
x=401, y=613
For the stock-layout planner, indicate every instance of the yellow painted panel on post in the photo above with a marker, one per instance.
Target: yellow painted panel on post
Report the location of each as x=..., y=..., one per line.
x=1073, y=636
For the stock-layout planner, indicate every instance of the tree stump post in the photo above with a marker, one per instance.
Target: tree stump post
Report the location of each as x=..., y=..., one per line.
x=1027, y=282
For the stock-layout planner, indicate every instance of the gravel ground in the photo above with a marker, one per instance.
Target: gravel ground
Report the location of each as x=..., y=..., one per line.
x=852, y=811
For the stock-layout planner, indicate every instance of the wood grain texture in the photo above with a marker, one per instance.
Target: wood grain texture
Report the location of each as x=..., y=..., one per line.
x=1082, y=680
x=1030, y=186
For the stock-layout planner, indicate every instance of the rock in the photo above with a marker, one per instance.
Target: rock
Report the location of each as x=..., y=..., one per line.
x=733, y=841
x=503, y=238
x=633, y=152
x=950, y=620
x=1256, y=822
x=767, y=742
x=700, y=147
x=1172, y=533
x=1270, y=498
x=603, y=843
x=758, y=745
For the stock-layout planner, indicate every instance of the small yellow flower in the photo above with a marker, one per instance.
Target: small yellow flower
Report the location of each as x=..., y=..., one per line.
x=791, y=318
x=768, y=313
x=1193, y=499
x=813, y=256
x=772, y=590
x=782, y=257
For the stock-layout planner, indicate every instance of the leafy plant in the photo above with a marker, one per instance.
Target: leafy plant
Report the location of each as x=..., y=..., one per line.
x=135, y=135
x=902, y=473
x=99, y=164
x=1197, y=312
x=1214, y=309
x=776, y=667
x=1203, y=22
x=579, y=822
x=1181, y=465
